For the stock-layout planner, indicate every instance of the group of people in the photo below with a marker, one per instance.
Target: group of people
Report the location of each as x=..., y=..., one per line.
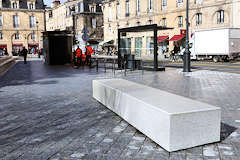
x=81, y=58
x=3, y=52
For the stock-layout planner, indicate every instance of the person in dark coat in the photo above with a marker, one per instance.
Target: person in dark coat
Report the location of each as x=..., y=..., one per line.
x=24, y=53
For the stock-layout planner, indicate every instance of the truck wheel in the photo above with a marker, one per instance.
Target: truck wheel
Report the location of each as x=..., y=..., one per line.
x=216, y=59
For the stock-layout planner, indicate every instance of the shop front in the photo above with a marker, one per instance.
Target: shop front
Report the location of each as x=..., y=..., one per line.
x=163, y=45
x=3, y=49
x=33, y=48
x=16, y=48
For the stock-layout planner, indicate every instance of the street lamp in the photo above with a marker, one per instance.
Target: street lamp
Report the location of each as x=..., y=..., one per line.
x=186, y=56
x=38, y=35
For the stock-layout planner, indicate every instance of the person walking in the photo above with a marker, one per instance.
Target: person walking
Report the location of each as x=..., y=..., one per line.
x=78, y=55
x=24, y=53
x=89, y=54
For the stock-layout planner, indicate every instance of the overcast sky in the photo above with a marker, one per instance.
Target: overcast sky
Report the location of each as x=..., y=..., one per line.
x=48, y=2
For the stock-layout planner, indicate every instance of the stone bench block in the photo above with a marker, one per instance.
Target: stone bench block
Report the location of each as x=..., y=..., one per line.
x=174, y=122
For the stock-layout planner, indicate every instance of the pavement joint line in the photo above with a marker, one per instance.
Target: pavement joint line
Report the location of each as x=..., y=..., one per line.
x=85, y=142
x=42, y=142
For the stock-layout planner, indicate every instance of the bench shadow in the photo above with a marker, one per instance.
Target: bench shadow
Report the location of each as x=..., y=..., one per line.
x=226, y=130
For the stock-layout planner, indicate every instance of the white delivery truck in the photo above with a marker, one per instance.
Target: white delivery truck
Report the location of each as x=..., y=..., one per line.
x=215, y=44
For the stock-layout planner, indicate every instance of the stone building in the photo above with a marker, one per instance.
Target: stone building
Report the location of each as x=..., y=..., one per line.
x=203, y=14
x=74, y=15
x=21, y=24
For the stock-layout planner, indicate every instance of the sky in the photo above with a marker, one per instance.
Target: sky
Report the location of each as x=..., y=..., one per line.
x=48, y=2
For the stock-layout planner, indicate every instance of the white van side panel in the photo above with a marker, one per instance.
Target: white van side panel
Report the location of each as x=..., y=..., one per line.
x=212, y=42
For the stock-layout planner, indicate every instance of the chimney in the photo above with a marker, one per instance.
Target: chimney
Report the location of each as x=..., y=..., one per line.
x=55, y=3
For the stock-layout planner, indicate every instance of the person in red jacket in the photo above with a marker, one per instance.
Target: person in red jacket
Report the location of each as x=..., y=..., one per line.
x=89, y=53
x=78, y=55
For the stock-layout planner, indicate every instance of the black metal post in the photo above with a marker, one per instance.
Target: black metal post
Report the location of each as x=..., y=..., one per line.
x=155, y=49
x=187, y=61
x=119, y=51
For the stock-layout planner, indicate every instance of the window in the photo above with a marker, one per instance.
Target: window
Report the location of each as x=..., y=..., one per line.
x=94, y=23
x=118, y=11
x=30, y=6
x=92, y=9
x=1, y=36
x=180, y=21
x=109, y=14
x=138, y=6
x=179, y=3
x=220, y=16
x=14, y=5
x=32, y=21
x=198, y=19
x=33, y=36
x=197, y=1
x=1, y=23
x=150, y=5
x=16, y=35
x=50, y=14
x=80, y=7
x=127, y=8
x=164, y=4
x=164, y=22
x=15, y=21
x=150, y=21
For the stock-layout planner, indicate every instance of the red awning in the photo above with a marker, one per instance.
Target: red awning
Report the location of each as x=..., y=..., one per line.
x=162, y=38
x=17, y=44
x=32, y=44
x=3, y=45
x=177, y=37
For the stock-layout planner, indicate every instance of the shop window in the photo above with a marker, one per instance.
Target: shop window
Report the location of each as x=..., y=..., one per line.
x=198, y=19
x=180, y=21
x=220, y=16
x=1, y=35
x=138, y=46
x=16, y=35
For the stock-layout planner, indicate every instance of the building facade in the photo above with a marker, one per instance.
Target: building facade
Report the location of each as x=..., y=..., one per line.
x=203, y=14
x=21, y=24
x=75, y=15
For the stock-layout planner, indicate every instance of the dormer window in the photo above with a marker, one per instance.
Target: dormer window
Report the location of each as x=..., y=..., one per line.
x=30, y=6
x=92, y=9
x=14, y=5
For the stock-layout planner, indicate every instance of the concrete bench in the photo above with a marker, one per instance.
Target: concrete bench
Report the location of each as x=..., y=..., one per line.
x=174, y=122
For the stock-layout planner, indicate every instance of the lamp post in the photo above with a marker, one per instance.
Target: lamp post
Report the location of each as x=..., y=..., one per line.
x=186, y=56
x=38, y=35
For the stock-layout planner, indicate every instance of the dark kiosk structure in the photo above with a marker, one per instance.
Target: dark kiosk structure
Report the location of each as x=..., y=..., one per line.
x=153, y=27
x=57, y=47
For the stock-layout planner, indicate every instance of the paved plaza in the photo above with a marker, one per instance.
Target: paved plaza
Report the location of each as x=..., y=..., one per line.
x=48, y=113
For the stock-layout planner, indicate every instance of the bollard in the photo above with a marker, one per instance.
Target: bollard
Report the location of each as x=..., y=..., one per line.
x=97, y=64
x=114, y=66
x=105, y=65
x=125, y=68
